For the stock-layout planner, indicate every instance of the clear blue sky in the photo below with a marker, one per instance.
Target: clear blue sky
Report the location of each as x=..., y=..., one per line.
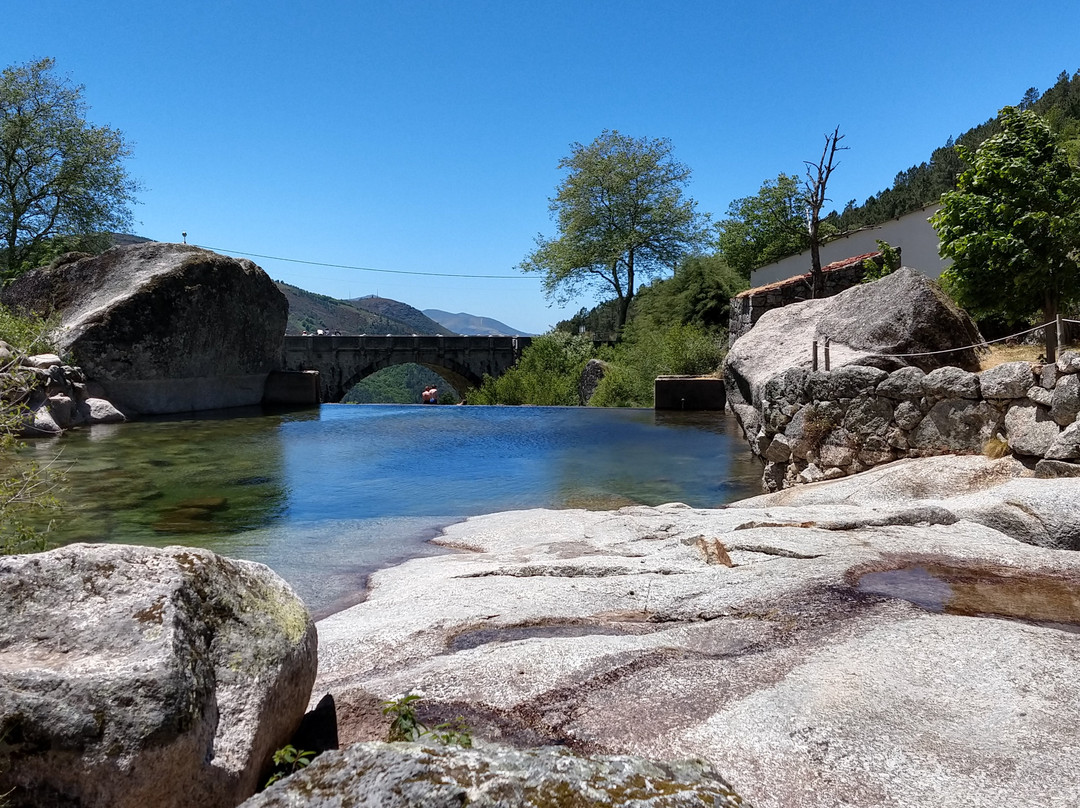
x=425, y=136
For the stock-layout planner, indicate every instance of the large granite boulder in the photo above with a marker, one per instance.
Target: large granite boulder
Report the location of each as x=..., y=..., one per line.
x=163, y=327
x=135, y=676
x=434, y=776
x=903, y=313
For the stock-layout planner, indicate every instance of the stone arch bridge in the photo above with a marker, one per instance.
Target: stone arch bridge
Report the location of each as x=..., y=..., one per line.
x=343, y=361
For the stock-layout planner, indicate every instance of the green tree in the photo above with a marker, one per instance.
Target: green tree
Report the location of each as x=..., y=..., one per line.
x=699, y=294
x=61, y=178
x=1012, y=226
x=765, y=227
x=546, y=375
x=622, y=217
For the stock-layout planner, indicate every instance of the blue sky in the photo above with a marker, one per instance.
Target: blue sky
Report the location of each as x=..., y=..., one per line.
x=425, y=136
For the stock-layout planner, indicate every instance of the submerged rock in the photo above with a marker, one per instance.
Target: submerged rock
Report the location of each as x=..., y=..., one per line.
x=133, y=676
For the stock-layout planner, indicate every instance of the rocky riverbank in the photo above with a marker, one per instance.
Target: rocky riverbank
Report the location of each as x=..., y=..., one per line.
x=888, y=639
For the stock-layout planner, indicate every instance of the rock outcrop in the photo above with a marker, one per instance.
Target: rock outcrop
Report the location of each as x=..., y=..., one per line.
x=903, y=313
x=133, y=676
x=163, y=327
x=54, y=396
x=879, y=640
x=433, y=776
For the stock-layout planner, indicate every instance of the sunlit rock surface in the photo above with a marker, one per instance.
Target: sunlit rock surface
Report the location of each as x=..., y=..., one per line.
x=134, y=677
x=885, y=639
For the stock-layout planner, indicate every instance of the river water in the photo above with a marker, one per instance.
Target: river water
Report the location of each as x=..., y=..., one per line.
x=324, y=496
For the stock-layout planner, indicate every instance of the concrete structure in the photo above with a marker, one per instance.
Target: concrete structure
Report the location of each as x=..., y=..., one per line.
x=917, y=240
x=343, y=361
x=688, y=393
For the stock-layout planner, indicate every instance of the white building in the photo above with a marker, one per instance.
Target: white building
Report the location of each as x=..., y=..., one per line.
x=917, y=240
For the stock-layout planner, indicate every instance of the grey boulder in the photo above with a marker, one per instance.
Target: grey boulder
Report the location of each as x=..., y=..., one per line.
x=135, y=676
x=870, y=324
x=382, y=775
x=163, y=327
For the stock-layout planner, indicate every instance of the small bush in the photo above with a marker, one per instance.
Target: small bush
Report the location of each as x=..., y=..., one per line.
x=997, y=447
x=28, y=334
x=406, y=726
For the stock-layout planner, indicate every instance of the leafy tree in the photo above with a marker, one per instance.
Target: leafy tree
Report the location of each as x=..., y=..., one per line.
x=765, y=227
x=622, y=217
x=61, y=178
x=699, y=294
x=546, y=375
x=1012, y=226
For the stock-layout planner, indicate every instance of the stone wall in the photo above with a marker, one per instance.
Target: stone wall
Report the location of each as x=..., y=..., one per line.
x=747, y=307
x=814, y=425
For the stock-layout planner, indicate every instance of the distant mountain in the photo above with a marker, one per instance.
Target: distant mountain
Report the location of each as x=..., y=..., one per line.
x=402, y=313
x=473, y=325
x=310, y=312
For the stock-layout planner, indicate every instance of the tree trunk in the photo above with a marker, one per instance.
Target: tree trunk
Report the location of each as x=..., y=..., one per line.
x=1050, y=313
x=624, y=309
x=816, y=285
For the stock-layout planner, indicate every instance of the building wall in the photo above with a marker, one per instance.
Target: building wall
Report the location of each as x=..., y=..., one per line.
x=913, y=234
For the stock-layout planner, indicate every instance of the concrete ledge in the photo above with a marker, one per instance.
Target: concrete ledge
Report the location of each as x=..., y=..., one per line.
x=292, y=387
x=688, y=393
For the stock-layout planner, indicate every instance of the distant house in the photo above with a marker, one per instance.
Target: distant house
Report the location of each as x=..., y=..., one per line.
x=917, y=240
x=788, y=281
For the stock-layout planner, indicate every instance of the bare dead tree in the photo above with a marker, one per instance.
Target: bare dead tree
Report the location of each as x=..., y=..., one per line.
x=817, y=179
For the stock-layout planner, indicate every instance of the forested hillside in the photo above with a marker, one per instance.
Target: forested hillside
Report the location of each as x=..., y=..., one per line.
x=310, y=312
x=924, y=183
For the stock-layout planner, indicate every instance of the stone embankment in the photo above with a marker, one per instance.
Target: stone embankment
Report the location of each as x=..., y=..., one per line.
x=54, y=396
x=814, y=425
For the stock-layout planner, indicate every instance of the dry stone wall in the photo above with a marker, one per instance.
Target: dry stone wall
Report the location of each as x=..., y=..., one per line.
x=815, y=425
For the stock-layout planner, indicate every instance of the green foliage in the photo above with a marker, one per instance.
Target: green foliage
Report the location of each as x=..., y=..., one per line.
x=60, y=177
x=699, y=294
x=546, y=375
x=29, y=333
x=888, y=264
x=621, y=217
x=1012, y=226
x=406, y=726
x=287, y=760
x=765, y=227
x=399, y=384
x=644, y=354
x=27, y=489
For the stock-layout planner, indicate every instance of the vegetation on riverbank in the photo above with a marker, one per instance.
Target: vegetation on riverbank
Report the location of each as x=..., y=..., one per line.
x=27, y=489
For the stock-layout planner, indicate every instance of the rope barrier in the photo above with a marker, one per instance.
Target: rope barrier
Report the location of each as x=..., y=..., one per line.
x=984, y=344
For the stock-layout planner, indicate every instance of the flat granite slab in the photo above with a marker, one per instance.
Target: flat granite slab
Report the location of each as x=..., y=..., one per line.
x=886, y=639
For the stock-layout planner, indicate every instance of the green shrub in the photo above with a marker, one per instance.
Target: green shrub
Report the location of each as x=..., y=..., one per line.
x=546, y=375
x=30, y=334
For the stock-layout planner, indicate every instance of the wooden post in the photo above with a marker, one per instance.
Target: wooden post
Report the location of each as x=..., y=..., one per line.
x=1060, y=333
x=813, y=363
x=826, y=354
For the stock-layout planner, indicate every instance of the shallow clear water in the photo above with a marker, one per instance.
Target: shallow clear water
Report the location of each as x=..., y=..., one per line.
x=324, y=496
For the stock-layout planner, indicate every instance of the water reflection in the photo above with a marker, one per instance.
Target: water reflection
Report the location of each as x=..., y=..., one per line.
x=325, y=495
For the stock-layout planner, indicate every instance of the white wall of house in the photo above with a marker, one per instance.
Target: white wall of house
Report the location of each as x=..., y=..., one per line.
x=912, y=233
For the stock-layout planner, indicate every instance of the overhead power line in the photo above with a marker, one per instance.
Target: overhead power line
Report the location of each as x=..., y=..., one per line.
x=364, y=269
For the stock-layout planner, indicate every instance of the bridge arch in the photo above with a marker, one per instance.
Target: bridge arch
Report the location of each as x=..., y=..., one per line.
x=344, y=360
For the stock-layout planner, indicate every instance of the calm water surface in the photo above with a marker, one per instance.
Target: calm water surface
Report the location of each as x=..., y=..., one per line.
x=324, y=496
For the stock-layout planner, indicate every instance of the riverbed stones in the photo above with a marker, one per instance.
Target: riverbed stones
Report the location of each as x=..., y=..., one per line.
x=134, y=676
x=163, y=327
x=493, y=776
x=815, y=671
